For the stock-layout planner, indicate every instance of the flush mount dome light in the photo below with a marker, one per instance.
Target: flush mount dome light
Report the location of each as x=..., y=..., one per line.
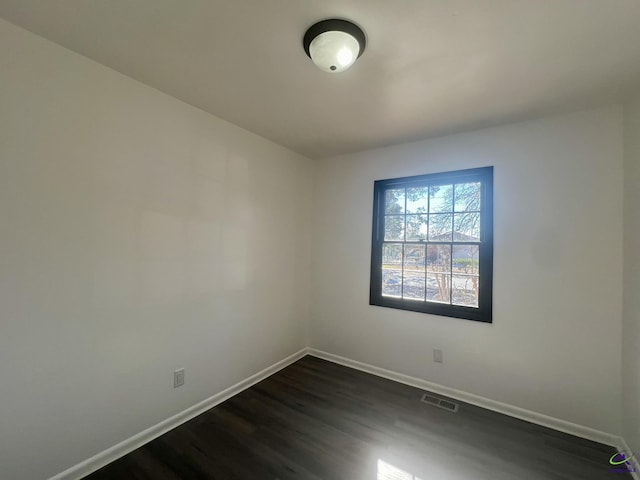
x=334, y=45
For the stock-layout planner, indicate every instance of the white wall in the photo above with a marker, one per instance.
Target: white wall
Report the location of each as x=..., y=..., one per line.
x=631, y=318
x=137, y=235
x=554, y=346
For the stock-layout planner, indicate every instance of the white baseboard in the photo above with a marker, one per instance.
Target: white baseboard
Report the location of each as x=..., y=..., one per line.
x=98, y=461
x=496, y=406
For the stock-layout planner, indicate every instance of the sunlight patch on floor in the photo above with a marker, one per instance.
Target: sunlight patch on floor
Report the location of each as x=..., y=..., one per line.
x=386, y=471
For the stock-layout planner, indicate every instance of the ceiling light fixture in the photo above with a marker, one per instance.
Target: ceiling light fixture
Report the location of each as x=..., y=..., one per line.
x=334, y=45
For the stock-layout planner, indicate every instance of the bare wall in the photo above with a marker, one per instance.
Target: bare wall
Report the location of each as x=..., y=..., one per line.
x=554, y=346
x=138, y=235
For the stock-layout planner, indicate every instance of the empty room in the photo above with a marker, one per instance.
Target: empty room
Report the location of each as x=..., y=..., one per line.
x=319, y=240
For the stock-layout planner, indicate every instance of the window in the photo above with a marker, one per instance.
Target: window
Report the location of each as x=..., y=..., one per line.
x=432, y=244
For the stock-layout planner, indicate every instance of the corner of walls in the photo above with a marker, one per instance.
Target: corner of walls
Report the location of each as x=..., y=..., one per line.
x=631, y=301
x=310, y=242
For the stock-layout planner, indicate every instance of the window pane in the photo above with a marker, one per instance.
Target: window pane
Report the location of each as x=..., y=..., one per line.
x=440, y=227
x=465, y=290
x=438, y=258
x=392, y=255
x=392, y=269
x=441, y=199
x=414, y=257
x=391, y=282
x=417, y=228
x=413, y=285
x=467, y=197
x=417, y=200
x=394, y=201
x=466, y=227
x=393, y=227
x=466, y=258
x=438, y=287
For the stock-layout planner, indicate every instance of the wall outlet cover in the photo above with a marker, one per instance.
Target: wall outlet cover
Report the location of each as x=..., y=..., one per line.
x=178, y=378
x=437, y=355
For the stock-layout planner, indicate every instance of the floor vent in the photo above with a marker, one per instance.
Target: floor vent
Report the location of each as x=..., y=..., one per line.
x=439, y=402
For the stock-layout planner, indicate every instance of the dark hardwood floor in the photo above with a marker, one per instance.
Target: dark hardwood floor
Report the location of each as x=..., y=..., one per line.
x=316, y=420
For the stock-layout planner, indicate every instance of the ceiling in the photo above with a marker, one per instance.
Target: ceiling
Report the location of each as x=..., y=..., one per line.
x=431, y=67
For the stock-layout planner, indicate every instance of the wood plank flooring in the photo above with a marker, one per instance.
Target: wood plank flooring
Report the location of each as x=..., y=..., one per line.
x=316, y=420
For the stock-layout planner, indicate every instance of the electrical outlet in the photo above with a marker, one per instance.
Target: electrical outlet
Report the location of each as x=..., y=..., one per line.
x=178, y=378
x=437, y=355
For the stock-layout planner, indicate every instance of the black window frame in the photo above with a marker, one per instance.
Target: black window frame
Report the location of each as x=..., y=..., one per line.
x=484, y=311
